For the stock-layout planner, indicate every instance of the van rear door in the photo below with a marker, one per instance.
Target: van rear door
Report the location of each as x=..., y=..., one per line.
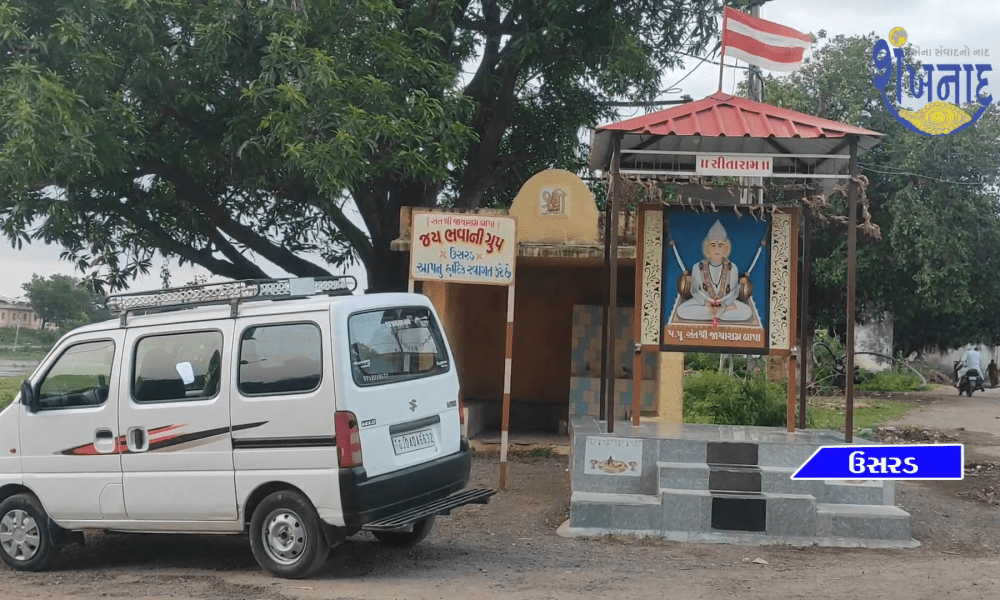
x=402, y=387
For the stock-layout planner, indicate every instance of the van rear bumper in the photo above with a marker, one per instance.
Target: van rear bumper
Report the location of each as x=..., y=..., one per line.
x=365, y=499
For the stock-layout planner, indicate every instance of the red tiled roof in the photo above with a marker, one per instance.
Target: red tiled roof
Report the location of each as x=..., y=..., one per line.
x=731, y=116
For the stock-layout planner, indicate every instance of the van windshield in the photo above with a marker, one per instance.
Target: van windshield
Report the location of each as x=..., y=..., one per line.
x=395, y=344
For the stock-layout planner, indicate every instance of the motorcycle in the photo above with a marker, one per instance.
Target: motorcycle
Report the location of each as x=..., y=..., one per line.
x=970, y=381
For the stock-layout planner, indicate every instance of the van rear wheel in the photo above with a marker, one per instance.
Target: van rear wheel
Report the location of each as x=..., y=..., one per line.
x=286, y=536
x=26, y=542
x=406, y=539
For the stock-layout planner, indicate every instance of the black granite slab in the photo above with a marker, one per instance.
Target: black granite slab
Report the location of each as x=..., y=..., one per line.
x=739, y=514
x=734, y=480
x=731, y=453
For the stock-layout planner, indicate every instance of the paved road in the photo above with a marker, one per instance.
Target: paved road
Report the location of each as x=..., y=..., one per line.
x=16, y=368
x=980, y=413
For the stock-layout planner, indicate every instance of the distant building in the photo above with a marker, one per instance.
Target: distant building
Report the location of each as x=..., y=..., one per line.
x=13, y=310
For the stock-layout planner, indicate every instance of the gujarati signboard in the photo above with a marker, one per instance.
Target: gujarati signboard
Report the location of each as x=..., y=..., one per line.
x=463, y=248
x=716, y=274
x=735, y=165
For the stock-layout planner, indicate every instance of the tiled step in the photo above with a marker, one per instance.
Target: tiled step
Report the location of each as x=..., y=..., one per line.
x=683, y=475
x=864, y=492
x=770, y=480
x=701, y=476
x=705, y=511
x=866, y=522
x=635, y=512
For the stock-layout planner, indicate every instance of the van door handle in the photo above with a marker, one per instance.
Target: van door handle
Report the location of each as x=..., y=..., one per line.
x=104, y=441
x=137, y=440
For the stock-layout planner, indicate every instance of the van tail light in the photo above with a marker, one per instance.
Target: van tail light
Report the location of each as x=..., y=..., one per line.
x=461, y=409
x=348, y=439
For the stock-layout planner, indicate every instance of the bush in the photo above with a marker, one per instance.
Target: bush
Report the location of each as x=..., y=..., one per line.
x=718, y=398
x=701, y=361
x=709, y=361
x=704, y=390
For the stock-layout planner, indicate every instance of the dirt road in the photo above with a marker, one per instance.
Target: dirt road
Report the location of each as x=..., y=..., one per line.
x=509, y=549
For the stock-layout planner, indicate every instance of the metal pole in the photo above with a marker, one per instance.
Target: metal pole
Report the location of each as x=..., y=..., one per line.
x=852, y=253
x=640, y=264
x=722, y=45
x=804, y=337
x=753, y=73
x=613, y=279
x=17, y=332
x=605, y=274
x=508, y=354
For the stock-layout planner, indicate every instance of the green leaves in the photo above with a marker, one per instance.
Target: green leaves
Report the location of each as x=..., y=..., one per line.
x=208, y=130
x=935, y=198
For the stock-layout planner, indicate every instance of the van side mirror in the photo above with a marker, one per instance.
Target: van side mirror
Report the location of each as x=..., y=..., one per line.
x=28, y=397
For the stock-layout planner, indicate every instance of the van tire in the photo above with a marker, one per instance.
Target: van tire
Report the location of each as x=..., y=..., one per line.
x=25, y=528
x=286, y=536
x=406, y=539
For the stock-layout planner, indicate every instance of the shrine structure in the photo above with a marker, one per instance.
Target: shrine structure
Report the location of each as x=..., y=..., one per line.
x=721, y=187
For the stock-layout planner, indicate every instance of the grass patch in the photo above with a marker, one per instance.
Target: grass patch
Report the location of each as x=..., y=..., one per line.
x=28, y=337
x=31, y=354
x=828, y=413
x=8, y=389
x=534, y=452
x=891, y=381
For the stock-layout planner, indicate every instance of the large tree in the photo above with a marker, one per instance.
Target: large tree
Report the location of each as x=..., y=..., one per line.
x=935, y=199
x=66, y=301
x=206, y=129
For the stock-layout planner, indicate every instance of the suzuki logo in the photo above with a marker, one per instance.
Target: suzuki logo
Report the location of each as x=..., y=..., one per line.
x=413, y=404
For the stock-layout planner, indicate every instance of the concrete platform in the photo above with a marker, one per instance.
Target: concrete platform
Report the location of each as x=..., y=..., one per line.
x=722, y=483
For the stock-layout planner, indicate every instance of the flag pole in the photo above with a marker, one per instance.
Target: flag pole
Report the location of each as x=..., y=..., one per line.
x=722, y=45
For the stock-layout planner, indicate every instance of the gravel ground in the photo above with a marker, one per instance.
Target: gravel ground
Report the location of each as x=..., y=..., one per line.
x=510, y=548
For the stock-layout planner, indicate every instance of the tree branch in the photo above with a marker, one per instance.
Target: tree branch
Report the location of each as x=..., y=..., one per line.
x=357, y=238
x=234, y=255
x=188, y=189
x=491, y=123
x=166, y=242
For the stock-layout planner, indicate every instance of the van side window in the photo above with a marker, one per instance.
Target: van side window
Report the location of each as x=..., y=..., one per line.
x=280, y=359
x=177, y=367
x=395, y=344
x=79, y=377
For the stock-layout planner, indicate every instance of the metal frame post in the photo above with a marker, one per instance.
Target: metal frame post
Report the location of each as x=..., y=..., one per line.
x=852, y=254
x=611, y=239
x=507, y=368
x=605, y=274
x=640, y=269
x=804, y=337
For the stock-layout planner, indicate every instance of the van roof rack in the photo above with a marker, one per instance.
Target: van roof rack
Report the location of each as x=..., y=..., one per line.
x=229, y=292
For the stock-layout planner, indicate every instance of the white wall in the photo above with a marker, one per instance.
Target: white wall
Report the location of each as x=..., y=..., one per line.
x=876, y=336
x=945, y=361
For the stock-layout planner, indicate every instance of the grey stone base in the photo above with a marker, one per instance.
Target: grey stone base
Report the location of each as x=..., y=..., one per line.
x=742, y=539
x=706, y=483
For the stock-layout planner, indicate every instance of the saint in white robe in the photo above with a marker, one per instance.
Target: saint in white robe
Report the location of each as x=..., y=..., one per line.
x=718, y=283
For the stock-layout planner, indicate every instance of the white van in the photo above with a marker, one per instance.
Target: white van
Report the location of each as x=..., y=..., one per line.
x=287, y=409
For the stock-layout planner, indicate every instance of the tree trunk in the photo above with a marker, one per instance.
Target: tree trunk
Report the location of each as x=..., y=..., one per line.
x=380, y=207
x=388, y=270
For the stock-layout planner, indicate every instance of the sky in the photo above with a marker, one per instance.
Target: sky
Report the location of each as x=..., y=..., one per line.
x=928, y=23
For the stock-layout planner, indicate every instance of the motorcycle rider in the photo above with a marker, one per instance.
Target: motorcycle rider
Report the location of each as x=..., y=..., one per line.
x=971, y=361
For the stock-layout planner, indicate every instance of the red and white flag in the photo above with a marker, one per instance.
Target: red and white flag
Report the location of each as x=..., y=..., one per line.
x=762, y=43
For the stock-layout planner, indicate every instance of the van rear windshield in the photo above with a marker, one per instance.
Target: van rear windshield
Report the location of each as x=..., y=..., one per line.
x=395, y=344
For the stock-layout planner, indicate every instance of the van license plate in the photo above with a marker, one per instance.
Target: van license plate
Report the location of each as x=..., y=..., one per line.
x=409, y=442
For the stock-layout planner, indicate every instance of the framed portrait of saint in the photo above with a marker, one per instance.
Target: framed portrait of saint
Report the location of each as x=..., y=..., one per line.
x=716, y=271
